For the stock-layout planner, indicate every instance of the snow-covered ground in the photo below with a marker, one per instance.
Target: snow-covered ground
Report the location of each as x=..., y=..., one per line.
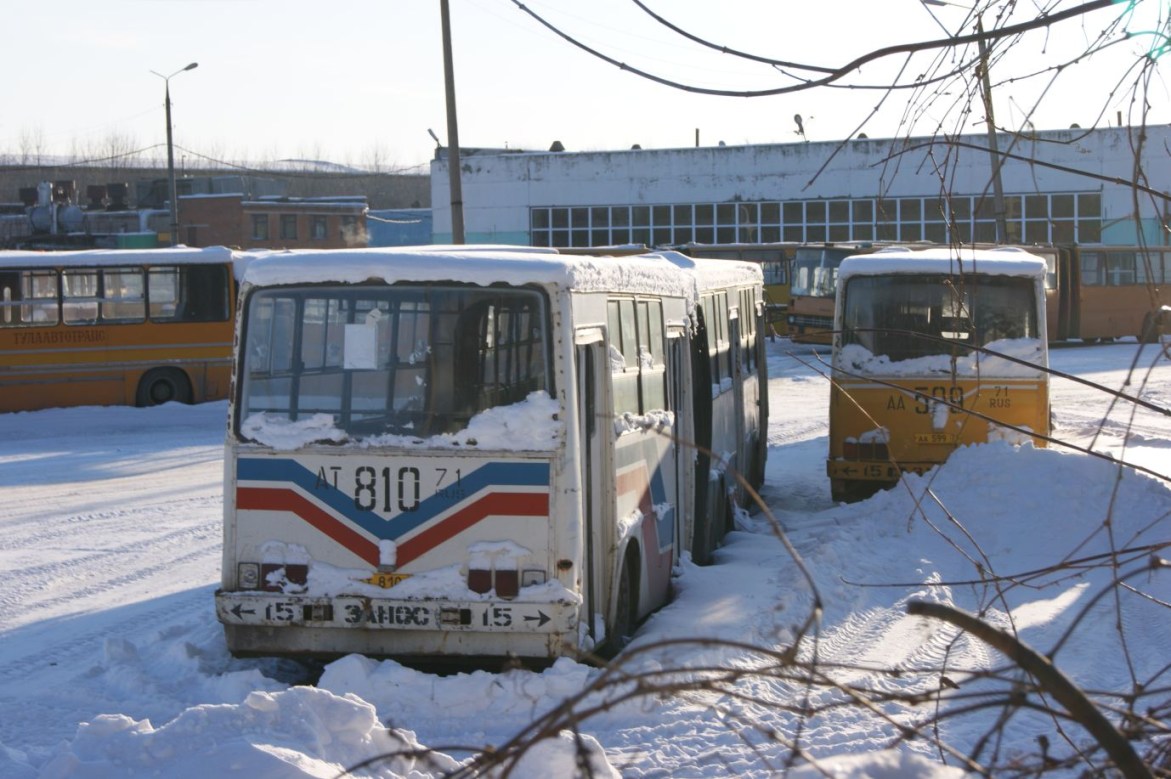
x=112, y=662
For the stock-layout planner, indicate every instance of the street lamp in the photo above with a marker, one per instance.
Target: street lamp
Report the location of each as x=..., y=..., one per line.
x=171, y=151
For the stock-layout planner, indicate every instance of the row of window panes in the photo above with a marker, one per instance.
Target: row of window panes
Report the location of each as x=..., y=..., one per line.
x=1115, y=268
x=1061, y=218
x=88, y=296
x=288, y=227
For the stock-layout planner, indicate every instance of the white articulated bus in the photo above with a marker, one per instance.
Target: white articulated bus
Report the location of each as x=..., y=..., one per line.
x=480, y=451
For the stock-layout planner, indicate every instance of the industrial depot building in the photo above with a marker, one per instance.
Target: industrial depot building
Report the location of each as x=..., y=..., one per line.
x=1065, y=186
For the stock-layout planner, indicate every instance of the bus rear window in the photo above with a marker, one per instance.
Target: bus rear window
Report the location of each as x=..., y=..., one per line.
x=403, y=360
x=903, y=317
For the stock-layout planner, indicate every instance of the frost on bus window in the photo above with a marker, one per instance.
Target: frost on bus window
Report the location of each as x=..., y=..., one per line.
x=908, y=325
x=403, y=360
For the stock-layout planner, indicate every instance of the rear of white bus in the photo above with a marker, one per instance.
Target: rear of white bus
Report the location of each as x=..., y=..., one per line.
x=390, y=475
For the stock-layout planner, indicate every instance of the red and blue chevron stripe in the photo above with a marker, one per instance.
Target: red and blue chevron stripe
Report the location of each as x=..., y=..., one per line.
x=494, y=489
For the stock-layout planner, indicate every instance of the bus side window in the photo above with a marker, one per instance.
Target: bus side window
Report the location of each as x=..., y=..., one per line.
x=79, y=293
x=162, y=292
x=123, y=295
x=39, y=289
x=1093, y=274
x=652, y=361
x=623, y=355
x=203, y=293
x=188, y=293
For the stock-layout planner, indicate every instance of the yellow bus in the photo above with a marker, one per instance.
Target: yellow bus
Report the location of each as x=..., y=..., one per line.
x=776, y=264
x=933, y=349
x=814, y=284
x=121, y=327
x=1106, y=292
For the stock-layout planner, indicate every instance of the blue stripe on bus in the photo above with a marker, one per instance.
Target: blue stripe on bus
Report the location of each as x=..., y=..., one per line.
x=287, y=471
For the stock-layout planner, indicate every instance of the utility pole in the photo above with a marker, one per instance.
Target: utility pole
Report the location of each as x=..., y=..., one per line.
x=993, y=146
x=453, y=164
x=989, y=119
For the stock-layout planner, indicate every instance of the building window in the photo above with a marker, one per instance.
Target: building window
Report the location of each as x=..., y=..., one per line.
x=260, y=227
x=317, y=228
x=289, y=227
x=1056, y=218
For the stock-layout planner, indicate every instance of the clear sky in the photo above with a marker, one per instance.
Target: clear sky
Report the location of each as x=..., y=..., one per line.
x=361, y=81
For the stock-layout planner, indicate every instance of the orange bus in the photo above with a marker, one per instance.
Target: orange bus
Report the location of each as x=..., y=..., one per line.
x=776, y=264
x=1098, y=293
x=123, y=327
x=814, y=284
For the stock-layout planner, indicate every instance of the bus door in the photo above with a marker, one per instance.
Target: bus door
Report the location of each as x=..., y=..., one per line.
x=1071, y=292
x=680, y=388
x=594, y=440
x=743, y=456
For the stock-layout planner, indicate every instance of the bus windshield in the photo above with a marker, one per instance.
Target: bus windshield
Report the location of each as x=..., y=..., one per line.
x=906, y=316
x=406, y=360
x=815, y=271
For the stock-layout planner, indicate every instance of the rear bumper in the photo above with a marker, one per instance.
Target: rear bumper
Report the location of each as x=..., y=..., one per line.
x=262, y=623
x=874, y=470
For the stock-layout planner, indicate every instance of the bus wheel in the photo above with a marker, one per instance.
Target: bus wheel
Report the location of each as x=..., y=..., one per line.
x=707, y=527
x=1151, y=331
x=852, y=491
x=163, y=385
x=625, y=608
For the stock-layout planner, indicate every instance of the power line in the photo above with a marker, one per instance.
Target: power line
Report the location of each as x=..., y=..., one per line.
x=832, y=75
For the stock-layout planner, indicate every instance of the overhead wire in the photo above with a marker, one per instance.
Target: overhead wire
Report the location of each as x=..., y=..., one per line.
x=832, y=75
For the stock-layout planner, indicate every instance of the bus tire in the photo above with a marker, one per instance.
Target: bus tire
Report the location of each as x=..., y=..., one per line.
x=708, y=527
x=1151, y=330
x=853, y=490
x=163, y=385
x=625, y=606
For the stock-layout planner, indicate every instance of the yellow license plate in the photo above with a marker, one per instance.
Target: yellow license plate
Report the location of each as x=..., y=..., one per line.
x=935, y=438
x=386, y=579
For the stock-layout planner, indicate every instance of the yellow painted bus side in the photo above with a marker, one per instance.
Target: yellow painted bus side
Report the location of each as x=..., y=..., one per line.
x=115, y=328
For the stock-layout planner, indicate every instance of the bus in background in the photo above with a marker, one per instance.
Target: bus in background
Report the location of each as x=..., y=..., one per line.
x=119, y=327
x=934, y=349
x=776, y=262
x=1107, y=292
x=479, y=451
x=814, y=284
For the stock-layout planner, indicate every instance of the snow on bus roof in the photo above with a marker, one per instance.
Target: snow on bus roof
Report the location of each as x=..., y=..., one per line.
x=1006, y=261
x=651, y=273
x=176, y=255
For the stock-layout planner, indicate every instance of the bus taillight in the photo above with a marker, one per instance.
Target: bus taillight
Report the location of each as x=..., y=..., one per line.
x=506, y=581
x=276, y=577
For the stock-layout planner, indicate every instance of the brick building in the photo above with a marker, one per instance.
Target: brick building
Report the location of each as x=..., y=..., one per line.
x=271, y=222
